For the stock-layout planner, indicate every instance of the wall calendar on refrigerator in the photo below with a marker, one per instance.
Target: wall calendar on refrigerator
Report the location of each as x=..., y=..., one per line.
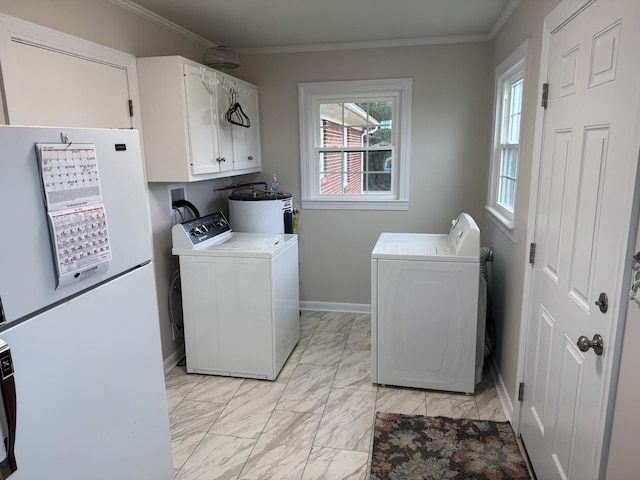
x=76, y=214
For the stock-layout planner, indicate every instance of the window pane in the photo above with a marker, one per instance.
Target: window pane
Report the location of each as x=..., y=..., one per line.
x=379, y=116
x=515, y=109
x=509, y=162
x=516, y=96
x=377, y=111
x=356, y=116
x=512, y=162
x=355, y=172
x=507, y=178
x=506, y=194
x=354, y=161
x=379, y=182
x=353, y=183
x=378, y=161
x=354, y=136
x=332, y=135
x=331, y=184
x=330, y=162
x=332, y=112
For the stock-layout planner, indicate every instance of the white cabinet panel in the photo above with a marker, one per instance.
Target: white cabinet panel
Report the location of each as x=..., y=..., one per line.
x=53, y=79
x=246, y=140
x=186, y=135
x=210, y=144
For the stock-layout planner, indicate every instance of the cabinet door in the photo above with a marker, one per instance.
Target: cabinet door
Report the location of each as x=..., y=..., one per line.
x=246, y=141
x=207, y=156
x=224, y=128
x=51, y=79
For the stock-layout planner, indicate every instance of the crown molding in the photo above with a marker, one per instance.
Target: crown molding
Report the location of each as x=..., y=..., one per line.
x=409, y=42
x=504, y=16
x=161, y=21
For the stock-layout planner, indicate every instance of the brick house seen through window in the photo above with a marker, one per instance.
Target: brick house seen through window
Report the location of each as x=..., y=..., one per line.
x=340, y=177
x=355, y=153
x=354, y=144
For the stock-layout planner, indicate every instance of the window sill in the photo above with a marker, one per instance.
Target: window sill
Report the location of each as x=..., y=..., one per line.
x=355, y=204
x=504, y=224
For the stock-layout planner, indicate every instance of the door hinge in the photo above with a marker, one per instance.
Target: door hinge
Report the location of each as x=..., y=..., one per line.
x=3, y=318
x=521, y=392
x=130, y=108
x=545, y=95
x=532, y=253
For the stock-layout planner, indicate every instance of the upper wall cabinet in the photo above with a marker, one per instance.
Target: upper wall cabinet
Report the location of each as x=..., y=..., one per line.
x=50, y=78
x=197, y=123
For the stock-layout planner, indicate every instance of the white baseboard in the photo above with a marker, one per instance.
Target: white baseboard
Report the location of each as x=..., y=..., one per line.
x=335, y=307
x=503, y=395
x=173, y=359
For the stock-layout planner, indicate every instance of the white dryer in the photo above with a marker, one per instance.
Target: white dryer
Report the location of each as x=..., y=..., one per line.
x=424, y=308
x=240, y=298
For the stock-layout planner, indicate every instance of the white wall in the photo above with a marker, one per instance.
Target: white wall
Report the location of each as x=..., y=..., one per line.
x=105, y=23
x=508, y=268
x=448, y=152
x=509, y=259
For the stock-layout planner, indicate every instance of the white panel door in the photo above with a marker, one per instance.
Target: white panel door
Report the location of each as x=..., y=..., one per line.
x=53, y=79
x=588, y=165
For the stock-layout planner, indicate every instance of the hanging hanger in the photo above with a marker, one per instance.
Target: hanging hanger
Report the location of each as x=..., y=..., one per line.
x=235, y=115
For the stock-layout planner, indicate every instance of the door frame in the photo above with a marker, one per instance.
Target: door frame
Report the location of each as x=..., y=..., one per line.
x=563, y=13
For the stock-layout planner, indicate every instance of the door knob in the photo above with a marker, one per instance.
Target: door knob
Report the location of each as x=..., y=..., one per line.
x=584, y=344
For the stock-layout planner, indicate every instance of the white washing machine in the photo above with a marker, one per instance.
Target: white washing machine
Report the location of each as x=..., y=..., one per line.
x=424, y=309
x=240, y=298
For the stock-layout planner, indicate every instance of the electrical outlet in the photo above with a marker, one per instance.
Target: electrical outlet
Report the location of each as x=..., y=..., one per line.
x=177, y=191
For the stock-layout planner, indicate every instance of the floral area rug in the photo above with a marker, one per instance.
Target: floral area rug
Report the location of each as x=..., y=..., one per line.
x=415, y=447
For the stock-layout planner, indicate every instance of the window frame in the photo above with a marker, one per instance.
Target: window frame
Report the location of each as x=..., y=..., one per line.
x=512, y=70
x=310, y=96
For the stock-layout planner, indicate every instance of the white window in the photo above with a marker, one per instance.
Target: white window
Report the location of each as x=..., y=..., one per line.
x=354, y=144
x=506, y=139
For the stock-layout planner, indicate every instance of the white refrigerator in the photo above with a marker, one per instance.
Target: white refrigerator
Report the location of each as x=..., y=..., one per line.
x=82, y=375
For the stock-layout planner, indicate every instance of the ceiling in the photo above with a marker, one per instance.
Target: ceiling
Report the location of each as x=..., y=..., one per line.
x=296, y=25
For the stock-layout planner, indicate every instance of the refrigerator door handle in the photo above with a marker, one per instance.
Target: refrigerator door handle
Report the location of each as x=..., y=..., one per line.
x=7, y=382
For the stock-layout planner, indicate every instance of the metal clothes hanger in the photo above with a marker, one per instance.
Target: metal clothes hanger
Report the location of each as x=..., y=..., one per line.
x=235, y=114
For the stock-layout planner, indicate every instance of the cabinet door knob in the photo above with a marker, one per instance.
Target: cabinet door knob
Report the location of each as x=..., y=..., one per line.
x=250, y=157
x=221, y=159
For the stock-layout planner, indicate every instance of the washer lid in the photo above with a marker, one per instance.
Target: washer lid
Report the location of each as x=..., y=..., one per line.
x=419, y=246
x=244, y=245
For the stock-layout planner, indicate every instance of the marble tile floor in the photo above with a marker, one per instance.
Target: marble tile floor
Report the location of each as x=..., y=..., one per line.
x=315, y=421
